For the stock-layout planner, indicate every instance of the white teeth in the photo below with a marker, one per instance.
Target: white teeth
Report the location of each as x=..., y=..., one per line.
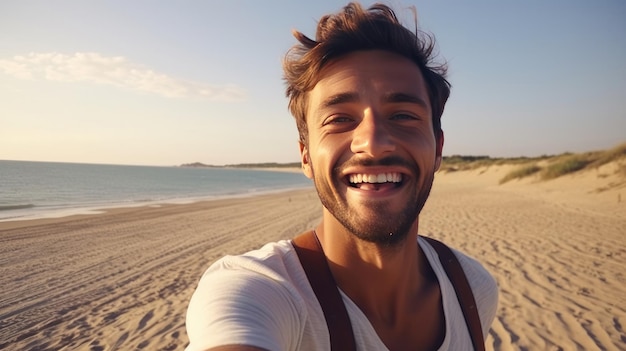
x=375, y=178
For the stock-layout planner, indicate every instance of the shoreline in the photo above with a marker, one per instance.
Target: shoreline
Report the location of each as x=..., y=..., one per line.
x=41, y=190
x=36, y=213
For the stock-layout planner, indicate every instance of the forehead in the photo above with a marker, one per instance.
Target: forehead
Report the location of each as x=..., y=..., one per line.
x=369, y=75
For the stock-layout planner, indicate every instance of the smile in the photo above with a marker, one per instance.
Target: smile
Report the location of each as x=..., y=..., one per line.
x=358, y=180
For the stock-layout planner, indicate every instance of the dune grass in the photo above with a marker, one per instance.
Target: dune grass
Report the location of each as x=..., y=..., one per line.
x=565, y=165
x=545, y=167
x=521, y=172
x=468, y=163
x=610, y=155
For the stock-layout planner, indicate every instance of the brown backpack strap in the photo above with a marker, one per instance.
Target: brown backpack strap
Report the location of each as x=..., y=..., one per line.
x=317, y=271
x=463, y=291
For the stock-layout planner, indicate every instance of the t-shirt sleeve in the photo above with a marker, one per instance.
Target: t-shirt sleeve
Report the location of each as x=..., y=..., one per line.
x=245, y=307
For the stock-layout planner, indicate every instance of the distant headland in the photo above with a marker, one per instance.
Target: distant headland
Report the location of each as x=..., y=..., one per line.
x=244, y=165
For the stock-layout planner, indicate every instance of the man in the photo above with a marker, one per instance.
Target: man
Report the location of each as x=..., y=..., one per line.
x=367, y=103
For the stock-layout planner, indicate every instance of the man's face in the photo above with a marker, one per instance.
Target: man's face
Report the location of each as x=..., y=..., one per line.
x=372, y=152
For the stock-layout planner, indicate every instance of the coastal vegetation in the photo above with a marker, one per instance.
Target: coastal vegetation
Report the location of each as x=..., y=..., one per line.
x=556, y=166
x=521, y=172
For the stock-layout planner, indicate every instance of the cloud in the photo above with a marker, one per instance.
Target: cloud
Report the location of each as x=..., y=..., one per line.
x=112, y=70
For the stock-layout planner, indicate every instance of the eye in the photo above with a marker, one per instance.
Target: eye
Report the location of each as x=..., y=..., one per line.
x=337, y=120
x=404, y=116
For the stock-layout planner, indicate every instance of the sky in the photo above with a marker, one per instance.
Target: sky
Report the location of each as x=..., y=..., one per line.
x=170, y=82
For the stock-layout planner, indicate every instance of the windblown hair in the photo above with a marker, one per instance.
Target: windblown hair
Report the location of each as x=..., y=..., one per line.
x=356, y=29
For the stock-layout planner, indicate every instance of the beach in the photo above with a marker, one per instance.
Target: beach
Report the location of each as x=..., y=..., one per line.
x=121, y=280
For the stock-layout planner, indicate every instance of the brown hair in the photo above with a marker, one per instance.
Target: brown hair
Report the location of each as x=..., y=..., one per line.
x=355, y=29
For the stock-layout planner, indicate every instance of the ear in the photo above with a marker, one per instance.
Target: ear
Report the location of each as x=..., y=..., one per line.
x=439, y=150
x=305, y=160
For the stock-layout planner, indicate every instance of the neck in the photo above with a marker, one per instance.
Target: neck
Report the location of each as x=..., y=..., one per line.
x=382, y=280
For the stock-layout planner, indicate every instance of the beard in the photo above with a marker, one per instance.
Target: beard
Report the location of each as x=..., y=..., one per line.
x=386, y=228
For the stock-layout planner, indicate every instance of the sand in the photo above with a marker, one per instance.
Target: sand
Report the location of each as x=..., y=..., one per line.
x=121, y=280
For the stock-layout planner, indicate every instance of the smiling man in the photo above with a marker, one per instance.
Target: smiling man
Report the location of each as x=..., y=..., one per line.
x=368, y=102
x=371, y=148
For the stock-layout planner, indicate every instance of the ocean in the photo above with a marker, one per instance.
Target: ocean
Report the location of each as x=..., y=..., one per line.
x=50, y=189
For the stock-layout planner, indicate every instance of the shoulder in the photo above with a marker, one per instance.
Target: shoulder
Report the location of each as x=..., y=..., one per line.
x=251, y=299
x=273, y=260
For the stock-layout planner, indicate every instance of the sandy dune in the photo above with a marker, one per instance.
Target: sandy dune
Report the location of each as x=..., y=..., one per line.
x=121, y=280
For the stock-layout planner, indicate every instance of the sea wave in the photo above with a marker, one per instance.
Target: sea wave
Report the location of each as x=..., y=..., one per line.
x=15, y=207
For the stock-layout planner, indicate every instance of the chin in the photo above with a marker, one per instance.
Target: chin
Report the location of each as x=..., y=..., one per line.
x=386, y=230
x=386, y=240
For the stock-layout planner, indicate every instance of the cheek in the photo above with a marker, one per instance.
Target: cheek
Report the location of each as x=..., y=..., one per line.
x=329, y=151
x=424, y=148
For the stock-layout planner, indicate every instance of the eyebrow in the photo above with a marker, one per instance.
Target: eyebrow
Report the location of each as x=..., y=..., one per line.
x=339, y=99
x=402, y=97
x=390, y=97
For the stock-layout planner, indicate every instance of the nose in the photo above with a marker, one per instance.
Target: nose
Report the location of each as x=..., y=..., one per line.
x=372, y=137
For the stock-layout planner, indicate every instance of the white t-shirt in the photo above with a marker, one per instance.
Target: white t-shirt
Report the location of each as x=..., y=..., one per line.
x=263, y=298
